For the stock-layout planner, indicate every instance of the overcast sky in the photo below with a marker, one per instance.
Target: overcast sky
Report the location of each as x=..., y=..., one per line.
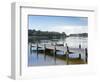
x=65, y=24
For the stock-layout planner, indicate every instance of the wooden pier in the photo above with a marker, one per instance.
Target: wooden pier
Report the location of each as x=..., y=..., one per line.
x=59, y=48
x=64, y=49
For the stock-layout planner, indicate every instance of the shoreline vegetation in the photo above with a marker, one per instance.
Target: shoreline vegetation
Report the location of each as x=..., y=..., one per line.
x=37, y=35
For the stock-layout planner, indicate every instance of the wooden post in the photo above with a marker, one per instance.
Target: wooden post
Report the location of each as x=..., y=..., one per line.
x=79, y=46
x=37, y=50
x=45, y=51
x=37, y=47
x=86, y=55
x=30, y=47
x=55, y=54
x=68, y=49
x=79, y=53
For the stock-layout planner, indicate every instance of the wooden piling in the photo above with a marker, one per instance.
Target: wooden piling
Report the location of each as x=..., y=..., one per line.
x=37, y=50
x=30, y=48
x=45, y=51
x=79, y=46
x=68, y=49
x=37, y=47
x=86, y=55
x=55, y=54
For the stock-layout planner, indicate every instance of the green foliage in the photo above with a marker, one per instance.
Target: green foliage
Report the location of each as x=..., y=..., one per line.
x=34, y=35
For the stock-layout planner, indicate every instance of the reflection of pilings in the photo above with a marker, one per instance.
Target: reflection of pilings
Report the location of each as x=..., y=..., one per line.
x=67, y=58
x=86, y=55
x=66, y=44
x=63, y=43
x=67, y=54
x=79, y=56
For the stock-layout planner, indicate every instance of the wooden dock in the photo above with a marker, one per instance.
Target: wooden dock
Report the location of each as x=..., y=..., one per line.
x=59, y=48
x=64, y=49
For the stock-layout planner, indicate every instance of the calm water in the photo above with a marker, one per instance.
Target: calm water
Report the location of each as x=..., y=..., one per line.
x=39, y=59
x=75, y=41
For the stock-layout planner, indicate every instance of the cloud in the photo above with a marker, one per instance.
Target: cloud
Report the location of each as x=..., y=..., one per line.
x=68, y=29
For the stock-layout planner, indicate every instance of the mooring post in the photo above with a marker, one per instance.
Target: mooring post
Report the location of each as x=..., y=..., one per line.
x=37, y=47
x=30, y=47
x=86, y=55
x=45, y=51
x=37, y=50
x=79, y=46
x=68, y=49
x=55, y=54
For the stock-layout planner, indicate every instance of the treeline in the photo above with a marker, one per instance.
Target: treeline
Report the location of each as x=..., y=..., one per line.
x=44, y=35
x=79, y=35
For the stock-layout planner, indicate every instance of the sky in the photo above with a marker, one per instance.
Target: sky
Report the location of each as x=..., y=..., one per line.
x=67, y=24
